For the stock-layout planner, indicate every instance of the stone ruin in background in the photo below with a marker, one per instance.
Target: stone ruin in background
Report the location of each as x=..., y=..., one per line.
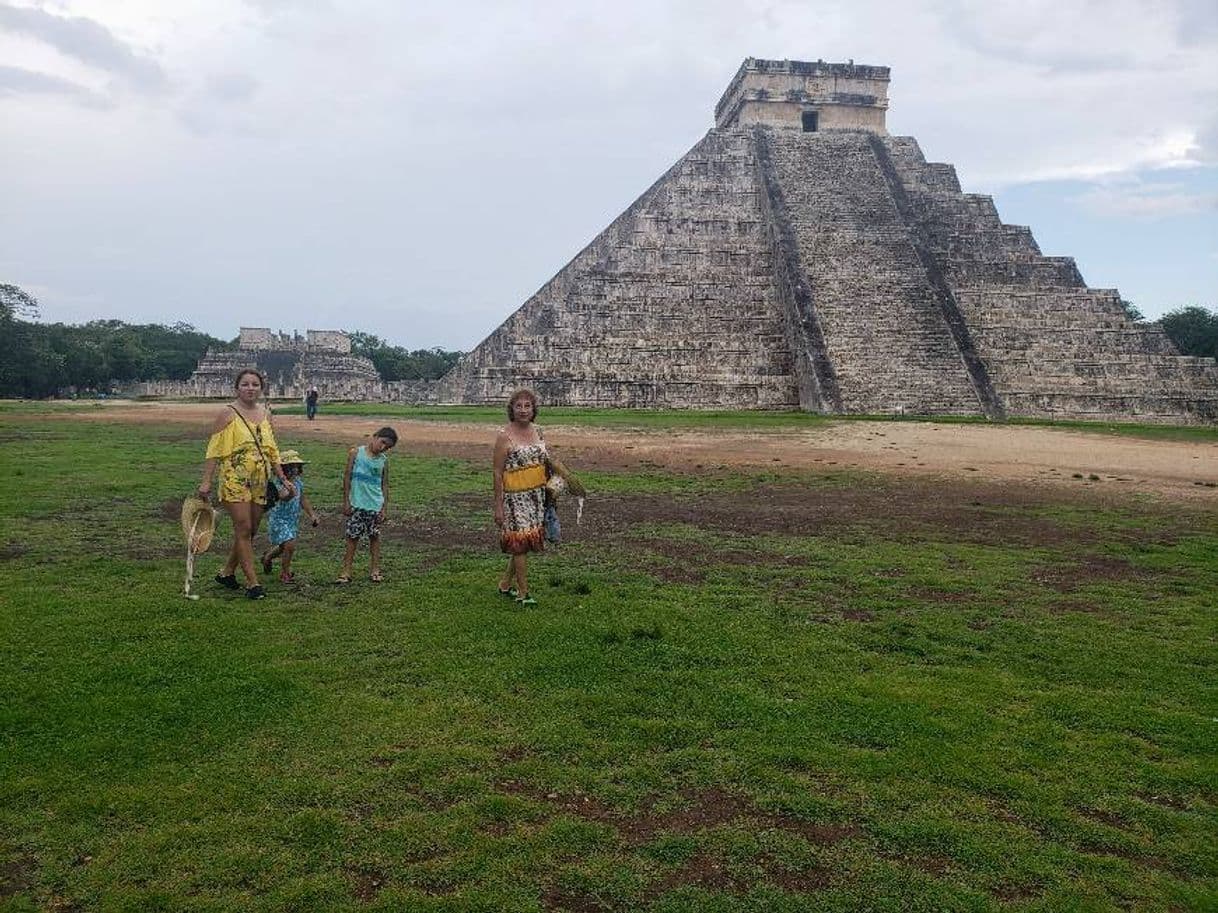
x=290, y=363
x=800, y=257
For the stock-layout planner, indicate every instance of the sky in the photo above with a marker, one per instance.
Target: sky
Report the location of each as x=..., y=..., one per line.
x=417, y=170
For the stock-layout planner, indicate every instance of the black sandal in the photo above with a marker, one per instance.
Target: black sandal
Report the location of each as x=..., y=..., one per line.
x=230, y=582
x=256, y=592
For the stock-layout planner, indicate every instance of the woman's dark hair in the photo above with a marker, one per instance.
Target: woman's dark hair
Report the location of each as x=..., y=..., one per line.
x=523, y=394
x=245, y=371
x=388, y=434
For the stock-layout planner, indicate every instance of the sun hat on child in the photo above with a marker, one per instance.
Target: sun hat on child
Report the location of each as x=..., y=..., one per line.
x=198, y=524
x=290, y=458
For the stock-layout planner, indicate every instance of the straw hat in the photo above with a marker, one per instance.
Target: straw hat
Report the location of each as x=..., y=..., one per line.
x=198, y=524
x=290, y=457
x=563, y=480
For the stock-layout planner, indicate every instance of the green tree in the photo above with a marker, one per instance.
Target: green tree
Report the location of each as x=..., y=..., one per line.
x=1131, y=311
x=16, y=347
x=42, y=359
x=396, y=363
x=1193, y=329
x=16, y=303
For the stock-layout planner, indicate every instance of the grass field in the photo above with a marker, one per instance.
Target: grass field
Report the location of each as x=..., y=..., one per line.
x=762, y=692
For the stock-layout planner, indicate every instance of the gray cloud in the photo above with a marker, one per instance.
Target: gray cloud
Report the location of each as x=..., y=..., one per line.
x=1031, y=40
x=16, y=81
x=1198, y=21
x=87, y=41
x=232, y=88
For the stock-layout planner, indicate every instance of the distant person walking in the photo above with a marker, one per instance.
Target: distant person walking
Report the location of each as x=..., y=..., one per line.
x=520, y=502
x=243, y=448
x=311, y=403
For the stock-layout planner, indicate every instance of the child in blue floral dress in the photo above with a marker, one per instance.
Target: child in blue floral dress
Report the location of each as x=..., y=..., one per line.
x=283, y=521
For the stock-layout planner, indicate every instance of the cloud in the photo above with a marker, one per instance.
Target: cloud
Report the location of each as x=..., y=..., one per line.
x=1146, y=201
x=87, y=41
x=16, y=81
x=231, y=88
x=1198, y=21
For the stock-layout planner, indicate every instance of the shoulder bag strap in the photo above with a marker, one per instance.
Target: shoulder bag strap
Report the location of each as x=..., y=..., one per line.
x=254, y=438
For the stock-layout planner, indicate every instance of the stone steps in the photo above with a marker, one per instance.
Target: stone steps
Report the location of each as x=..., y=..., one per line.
x=883, y=330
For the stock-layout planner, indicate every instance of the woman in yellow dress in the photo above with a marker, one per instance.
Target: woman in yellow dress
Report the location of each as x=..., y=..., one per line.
x=243, y=448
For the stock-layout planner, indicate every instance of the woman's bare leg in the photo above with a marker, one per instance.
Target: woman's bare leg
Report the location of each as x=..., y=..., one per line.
x=509, y=576
x=245, y=517
x=520, y=565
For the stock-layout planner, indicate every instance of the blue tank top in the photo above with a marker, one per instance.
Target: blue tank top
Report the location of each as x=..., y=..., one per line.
x=366, y=473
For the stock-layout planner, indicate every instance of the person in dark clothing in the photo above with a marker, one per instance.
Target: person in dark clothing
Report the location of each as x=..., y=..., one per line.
x=311, y=403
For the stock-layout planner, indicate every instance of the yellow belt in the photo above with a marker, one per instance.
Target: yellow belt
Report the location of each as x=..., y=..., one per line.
x=525, y=478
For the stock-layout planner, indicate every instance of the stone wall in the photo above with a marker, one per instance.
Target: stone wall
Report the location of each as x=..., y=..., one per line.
x=776, y=93
x=330, y=340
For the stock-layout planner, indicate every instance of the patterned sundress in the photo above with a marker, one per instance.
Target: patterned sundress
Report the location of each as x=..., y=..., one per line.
x=283, y=519
x=524, y=511
x=243, y=471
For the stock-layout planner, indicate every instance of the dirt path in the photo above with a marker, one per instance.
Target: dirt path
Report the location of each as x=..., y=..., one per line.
x=1175, y=470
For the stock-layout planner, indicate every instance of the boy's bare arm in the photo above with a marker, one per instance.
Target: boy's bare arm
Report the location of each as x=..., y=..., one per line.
x=347, y=482
x=384, y=489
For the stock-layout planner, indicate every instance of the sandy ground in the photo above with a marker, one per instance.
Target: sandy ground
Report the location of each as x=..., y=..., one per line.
x=1173, y=470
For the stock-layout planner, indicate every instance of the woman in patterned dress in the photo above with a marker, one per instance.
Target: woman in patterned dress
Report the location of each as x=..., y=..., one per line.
x=242, y=447
x=520, y=479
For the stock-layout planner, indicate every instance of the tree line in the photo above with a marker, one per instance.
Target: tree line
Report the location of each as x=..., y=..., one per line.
x=39, y=360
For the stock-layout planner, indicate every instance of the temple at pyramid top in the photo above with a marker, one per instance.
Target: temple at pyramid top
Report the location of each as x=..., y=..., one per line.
x=806, y=96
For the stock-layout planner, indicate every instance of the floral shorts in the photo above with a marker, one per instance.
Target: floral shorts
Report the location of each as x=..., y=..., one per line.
x=243, y=477
x=363, y=524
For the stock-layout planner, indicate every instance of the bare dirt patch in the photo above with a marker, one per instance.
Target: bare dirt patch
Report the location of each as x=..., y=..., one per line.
x=366, y=883
x=1124, y=466
x=555, y=898
x=699, y=810
x=1163, y=800
x=1111, y=819
x=1087, y=569
x=916, y=511
x=17, y=875
x=703, y=871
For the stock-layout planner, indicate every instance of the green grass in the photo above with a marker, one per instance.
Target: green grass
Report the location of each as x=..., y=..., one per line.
x=700, y=714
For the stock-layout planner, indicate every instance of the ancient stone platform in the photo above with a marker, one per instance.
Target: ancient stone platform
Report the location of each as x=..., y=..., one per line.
x=800, y=257
x=290, y=363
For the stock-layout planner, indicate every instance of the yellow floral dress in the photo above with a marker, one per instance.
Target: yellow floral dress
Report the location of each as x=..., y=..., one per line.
x=243, y=471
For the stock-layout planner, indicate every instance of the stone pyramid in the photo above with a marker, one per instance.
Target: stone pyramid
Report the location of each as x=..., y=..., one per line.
x=800, y=257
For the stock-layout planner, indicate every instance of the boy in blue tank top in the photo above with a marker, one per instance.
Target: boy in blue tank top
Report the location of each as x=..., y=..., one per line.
x=365, y=498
